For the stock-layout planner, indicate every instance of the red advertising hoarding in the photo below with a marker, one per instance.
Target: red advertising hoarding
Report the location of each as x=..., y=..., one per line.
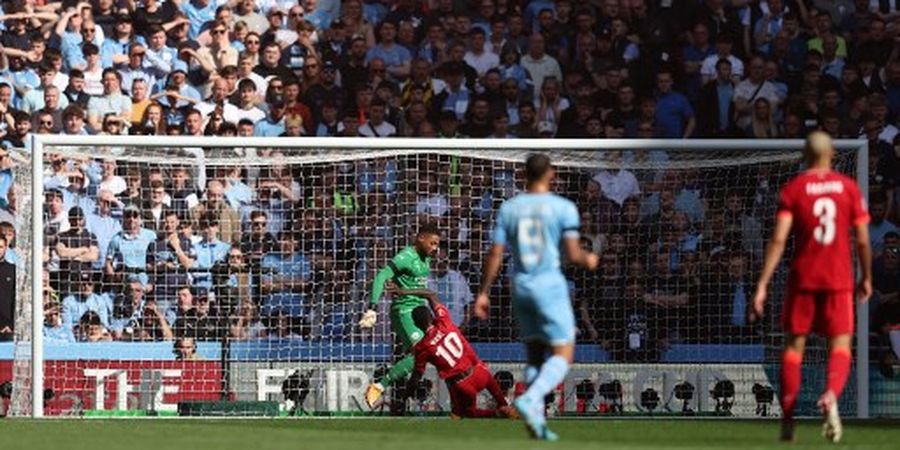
x=125, y=385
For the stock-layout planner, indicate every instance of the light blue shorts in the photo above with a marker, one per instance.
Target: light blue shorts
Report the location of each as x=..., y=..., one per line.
x=543, y=310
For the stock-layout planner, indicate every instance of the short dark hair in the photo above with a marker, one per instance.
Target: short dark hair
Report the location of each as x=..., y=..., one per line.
x=429, y=228
x=90, y=49
x=246, y=83
x=228, y=71
x=208, y=219
x=536, y=167
x=73, y=110
x=422, y=317
x=112, y=71
x=46, y=67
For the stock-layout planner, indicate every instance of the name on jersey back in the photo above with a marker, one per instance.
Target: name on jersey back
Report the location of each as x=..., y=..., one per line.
x=825, y=187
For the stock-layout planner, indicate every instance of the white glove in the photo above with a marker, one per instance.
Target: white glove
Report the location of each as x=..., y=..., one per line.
x=368, y=319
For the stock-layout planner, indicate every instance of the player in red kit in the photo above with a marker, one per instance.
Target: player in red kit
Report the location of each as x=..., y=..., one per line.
x=820, y=206
x=457, y=364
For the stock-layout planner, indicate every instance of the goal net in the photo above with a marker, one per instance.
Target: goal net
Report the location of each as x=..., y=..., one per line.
x=227, y=277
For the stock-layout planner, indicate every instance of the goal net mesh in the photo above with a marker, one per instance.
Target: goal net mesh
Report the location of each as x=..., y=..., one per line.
x=229, y=281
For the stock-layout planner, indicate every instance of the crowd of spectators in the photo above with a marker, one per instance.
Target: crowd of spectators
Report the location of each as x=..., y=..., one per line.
x=221, y=252
x=451, y=68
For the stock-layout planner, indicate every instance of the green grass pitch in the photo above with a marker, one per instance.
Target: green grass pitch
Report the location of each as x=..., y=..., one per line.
x=424, y=434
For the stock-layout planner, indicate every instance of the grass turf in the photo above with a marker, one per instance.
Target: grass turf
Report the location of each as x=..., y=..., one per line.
x=424, y=434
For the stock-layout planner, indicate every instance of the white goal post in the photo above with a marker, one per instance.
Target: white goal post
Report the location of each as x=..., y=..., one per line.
x=577, y=153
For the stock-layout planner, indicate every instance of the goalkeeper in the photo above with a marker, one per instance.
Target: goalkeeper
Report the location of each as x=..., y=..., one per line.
x=408, y=270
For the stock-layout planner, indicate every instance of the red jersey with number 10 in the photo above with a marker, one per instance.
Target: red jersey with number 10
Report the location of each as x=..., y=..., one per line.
x=824, y=206
x=445, y=347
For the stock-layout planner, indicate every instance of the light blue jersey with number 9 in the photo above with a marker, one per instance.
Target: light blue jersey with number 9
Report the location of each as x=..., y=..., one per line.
x=532, y=226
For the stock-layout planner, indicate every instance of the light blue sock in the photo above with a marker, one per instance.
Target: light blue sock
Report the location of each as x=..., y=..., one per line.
x=531, y=372
x=552, y=373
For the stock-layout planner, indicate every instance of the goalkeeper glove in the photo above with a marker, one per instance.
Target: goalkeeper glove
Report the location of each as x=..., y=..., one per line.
x=368, y=319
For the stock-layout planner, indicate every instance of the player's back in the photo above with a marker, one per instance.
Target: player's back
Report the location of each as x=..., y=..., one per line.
x=533, y=225
x=445, y=347
x=824, y=206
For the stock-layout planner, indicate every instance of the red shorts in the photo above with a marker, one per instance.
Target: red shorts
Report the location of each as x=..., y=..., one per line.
x=464, y=393
x=828, y=313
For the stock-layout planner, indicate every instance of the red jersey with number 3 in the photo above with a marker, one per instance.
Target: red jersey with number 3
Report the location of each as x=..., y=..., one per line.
x=445, y=347
x=824, y=206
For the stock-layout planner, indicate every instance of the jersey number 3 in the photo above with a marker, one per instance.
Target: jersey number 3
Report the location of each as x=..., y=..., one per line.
x=826, y=211
x=450, y=348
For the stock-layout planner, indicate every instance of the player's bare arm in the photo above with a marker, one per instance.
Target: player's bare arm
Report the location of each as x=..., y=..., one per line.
x=491, y=269
x=774, y=252
x=580, y=256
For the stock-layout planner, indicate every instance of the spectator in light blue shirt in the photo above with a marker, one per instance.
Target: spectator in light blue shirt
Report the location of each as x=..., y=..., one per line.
x=533, y=10
x=285, y=275
x=114, y=50
x=22, y=78
x=128, y=249
x=103, y=225
x=457, y=99
x=374, y=12
x=273, y=126
x=209, y=252
x=77, y=304
x=159, y=58
x=76, y=195
x=316, y=15
x=34, y=98
x=396, y=57
x=128, y=310
x=6, y=179
x=237, y=193
x=55, y=332
x=111, y=102
x=136, y=69
x=198, y=13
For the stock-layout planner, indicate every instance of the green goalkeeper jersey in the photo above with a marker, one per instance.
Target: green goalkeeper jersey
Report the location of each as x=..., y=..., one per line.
x=409, y=271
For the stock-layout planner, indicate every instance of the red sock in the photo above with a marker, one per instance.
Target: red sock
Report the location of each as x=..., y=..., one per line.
x=838, y=370
x=790, y=381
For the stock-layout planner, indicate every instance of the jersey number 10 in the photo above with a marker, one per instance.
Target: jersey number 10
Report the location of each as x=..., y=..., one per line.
x=450, y=348
x=826, y=211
